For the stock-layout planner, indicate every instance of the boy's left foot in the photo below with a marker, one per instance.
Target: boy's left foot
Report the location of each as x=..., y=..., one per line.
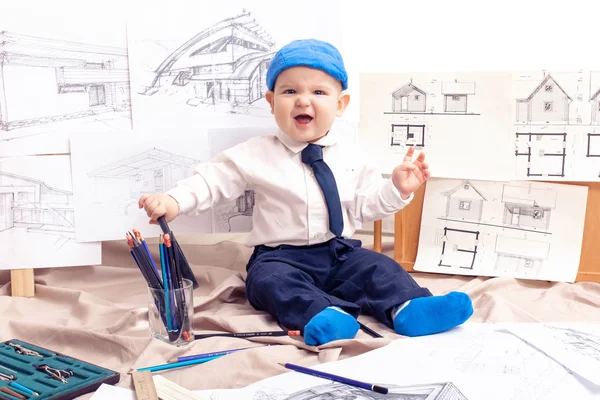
x=433, y=314
x=330, y=324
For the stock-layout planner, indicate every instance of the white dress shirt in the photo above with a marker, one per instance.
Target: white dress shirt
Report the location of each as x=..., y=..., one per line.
x=289, y=205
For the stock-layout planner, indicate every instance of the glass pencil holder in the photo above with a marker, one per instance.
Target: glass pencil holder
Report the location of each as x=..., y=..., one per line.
x=170, y=314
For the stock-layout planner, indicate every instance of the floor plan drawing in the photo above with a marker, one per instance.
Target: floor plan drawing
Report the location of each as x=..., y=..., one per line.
x=528, y=208
x=465, y=202
x=404, y=135
x=458, y=247
x=593, y=145
x=545, y=153
x=521, y=257
x=36, y=209
x=235, y=216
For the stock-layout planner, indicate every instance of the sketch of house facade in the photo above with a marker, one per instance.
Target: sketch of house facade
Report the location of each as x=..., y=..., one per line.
x=595, y=100
x=458, y=247
x=34, y=206
x=547, y=103
x=464, y=202
x=62, y=81
x=525, y=207
x=521, y=257
x=409, y=99
x=225, y=63
x=328, y=391
x=151, y=171
x=456, y=96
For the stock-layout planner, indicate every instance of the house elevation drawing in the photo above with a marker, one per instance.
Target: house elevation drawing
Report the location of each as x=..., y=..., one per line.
x=520, y=257
x=409, y=99
x=456, y=96
x=527, y=208
x=547, y=103
x=224, y=64
x=49, y=85
x=595, y=101
x=464, y=202
x=151, y=171
x=330, y=391
x=459, y=247
x=403, y=135
x=546, y=153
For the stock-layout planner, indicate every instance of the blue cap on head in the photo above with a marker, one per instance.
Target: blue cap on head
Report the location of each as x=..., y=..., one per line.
x=309, y=53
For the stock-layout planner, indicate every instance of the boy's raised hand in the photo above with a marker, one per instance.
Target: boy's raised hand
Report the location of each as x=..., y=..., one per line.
x=157, y=205
x=408, y=176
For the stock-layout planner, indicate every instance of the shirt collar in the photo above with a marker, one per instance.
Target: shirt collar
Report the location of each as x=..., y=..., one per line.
x=295, y=146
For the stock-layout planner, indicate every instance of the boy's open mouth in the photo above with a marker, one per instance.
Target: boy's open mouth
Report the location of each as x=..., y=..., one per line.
x=303, y=119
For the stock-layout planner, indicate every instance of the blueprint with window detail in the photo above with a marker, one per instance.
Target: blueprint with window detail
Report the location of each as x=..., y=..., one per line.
x=519, y=229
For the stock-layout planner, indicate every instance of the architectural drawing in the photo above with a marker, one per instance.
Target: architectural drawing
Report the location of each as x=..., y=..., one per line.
x=331, y=391
x=593, y=145
x=546, y=153
x=224, y=64
x=456, y=94
x=464, y=202
x=403, y=135
x=547, y=103
x=526, y=207
x=595, y=100
x=409, y=99
x=521, y=257
x=583, y=343
x=235, y=216
x=64, y=81
x=151, y=171
x=459, y=247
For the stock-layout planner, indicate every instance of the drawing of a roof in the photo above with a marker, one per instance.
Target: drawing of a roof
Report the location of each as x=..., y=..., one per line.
x=242, y=22
x=541, y=85
x=43, y=184
x=151, y=159
x=595, y=96
x=244, y=67
x=405, y=90
x=525, y=196
x=17, y=46
x=458, y=88
x=463, y=185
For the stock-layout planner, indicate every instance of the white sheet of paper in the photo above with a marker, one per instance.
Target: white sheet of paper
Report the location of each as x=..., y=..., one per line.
x=444, y=114
x=576, y=346
x=111, y=172
x=111, y=392
x=209, y=64
x=63, y=73
x=527, y=230
x=37, y=213
x=556, y=122
x=474, y=361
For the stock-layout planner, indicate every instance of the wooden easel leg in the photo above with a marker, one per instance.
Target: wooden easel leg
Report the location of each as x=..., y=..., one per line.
x=377, y=233
x=22, y=282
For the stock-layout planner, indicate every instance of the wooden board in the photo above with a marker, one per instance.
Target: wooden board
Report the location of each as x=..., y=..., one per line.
x=407, y=225
x=22, y=282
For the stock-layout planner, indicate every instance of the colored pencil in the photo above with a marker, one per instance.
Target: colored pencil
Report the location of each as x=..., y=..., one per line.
x=165, y=285
x=215, y=353
x=163, y=367
x=184, y=266
x=247, y=334
x=336, y=378
x=23, y=388
x=141, y=240
x=369, y=330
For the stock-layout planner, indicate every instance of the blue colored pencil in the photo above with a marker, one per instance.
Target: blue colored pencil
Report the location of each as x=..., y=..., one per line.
x=23, y=388
x=163, y=367
x=165, y=285
x=215, y=353
x=336, y=378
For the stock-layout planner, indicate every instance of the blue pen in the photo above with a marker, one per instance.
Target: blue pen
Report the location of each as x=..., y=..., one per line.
x=23, y=388
x=163, y=367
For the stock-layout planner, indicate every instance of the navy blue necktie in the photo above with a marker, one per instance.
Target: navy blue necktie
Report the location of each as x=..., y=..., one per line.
x=313, y=156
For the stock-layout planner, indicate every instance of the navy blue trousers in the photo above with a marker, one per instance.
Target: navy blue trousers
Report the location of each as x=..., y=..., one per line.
x=294, y=283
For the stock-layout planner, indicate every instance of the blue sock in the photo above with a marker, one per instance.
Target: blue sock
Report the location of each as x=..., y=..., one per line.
x=330, y=324
x=433, y=314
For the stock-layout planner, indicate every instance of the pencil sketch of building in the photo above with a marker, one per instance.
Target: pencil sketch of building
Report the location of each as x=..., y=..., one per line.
x=331, y=391
x=547, y=103
x=520, y=257
x=583, y=343
x=151, y=171
x=409, y=99
x=595, y=100
x=525, y=207
x=456, y=95
x=45, y=81
x=225, y=63
x=31, y=205
x=235, y=216
x=464, y=202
